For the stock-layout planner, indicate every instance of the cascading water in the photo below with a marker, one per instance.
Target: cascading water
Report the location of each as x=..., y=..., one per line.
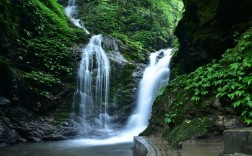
x=71, y=10
x=91, y=97
x=154, y=77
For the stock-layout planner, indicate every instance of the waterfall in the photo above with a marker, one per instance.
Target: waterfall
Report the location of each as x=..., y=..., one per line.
x=92, y=95
x=154, y=77
x=71, y=11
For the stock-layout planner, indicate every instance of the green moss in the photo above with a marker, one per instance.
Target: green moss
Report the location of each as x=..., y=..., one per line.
x=132, y=50
x=37, y=39
x=197, y=127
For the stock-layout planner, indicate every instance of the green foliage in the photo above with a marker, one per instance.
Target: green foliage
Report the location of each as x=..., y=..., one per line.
x=38, y=40
x=133, y=49
x=8, y=22
x=229, y=78
x=145, y=25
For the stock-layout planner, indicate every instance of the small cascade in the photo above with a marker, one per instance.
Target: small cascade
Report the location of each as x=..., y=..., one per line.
x=92, y=95
x=71, y=11
x=155, y=76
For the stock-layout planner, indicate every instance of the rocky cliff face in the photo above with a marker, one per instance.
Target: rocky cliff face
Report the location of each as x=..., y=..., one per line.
x=208, y=28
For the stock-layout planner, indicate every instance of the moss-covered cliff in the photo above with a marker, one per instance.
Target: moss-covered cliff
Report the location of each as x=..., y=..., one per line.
x=215, y=51
x=36, y=59
x=37, y=67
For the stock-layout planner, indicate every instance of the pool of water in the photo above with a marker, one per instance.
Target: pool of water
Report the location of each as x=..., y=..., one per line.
x=67, y=148
x=102, y=148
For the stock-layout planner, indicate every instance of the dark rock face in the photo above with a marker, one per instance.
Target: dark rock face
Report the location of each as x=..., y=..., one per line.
x=208, y=28
x=125, y=76
x=21, y=125
x=7, y=135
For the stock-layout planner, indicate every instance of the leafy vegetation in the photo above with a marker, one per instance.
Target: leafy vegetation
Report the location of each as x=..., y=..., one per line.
x=142, y=25
x=228, y=79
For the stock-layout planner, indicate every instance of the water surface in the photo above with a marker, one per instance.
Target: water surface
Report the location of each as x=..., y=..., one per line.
x=67, y=148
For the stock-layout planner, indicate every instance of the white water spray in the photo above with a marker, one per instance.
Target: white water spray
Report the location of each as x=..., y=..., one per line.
x=71, y=11
x=154, y=77
x=92, y=95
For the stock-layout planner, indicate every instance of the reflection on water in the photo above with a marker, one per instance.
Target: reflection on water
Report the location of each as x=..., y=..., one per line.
x=67, y=148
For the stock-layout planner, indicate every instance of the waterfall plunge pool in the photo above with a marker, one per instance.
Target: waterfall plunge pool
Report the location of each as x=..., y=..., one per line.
x=87, y=147
x=68, y=148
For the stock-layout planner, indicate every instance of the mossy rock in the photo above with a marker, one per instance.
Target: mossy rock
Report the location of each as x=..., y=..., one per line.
x=198, y=127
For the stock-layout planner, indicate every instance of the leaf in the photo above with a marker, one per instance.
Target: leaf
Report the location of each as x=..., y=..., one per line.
x=195, y=98
x=236, y=104
x=238, y=92
x=231, y=96
x=249, y=103
x=234, y=66
x=219, y=95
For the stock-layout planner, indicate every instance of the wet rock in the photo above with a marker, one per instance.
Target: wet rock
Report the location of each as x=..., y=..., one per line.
x=8, y=135
x=110, y=43
x=205, y=35
x=217, y=103
x=117, y=57
x=124, y=80
x=53, y=137
x=229, y=122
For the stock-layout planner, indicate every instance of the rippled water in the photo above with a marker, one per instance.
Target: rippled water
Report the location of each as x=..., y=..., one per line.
x=67, y=148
